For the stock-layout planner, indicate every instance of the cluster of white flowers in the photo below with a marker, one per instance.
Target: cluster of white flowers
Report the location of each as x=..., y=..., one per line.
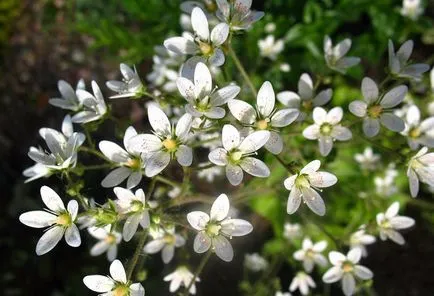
x=232, y=130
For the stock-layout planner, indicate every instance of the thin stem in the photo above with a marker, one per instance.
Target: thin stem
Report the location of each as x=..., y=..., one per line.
x=167, y=181
x=198, y=271
x=322, y=229
x=288, y=167
x=96, y=167
x=136, y=255
x=89, y=137
x=242, y=70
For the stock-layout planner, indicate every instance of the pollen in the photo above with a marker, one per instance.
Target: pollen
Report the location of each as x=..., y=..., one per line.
x=262, y=124
x=63, y=219
x=414, y=133
x=302, y=182
x=134, y=163
x=375, y=111
x=205, y=48
x=213, y=229
x=169, y=144
x=110, y=239
x=347, y=267
x=326, y=129
x=121, y=291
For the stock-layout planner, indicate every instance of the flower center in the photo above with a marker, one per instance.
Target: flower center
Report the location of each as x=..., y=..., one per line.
x=262, y=124
x=203, y=105
x=110, y=239
x=375, y=111
x=213, y=229
x=307, y=104
x=121, y=290
x=64, y=219
x=326, y=129
x=302, y=182
x=170, y=144
x=134, y=163
x=136, y=206
x=310, y=253
x=414, y=133
x=347, y=267
x=234, y=157
x=169, y=239
x=205, y=48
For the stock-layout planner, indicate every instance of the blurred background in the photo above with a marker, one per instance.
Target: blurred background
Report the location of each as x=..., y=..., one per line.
x=44, y=41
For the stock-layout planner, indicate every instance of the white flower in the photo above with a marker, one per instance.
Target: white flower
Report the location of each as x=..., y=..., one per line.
x=165, y=144
x=255, y=262
x=399, y=65
x=130, y=86
x=389, y=222
x=235, y=154
x=302, y=282
x=374, y=109
x=63, y=148
x=367, y=160
x=280, y=293
x=202, y=99
x=360, y=239
x=265, y=117
x=203, y=43
x=214, y=229
x=116, y=284
x=94, y=105
x=292, y=231
x=346, y=269
x=130, y=162
x=285, y=67
x=165, y=241
x=310, y=254
x=210, y=174
x=305, y=99
x=270, y=27
x=420, y=168
x=69, y=99
x=133, y=205
x=417, y=132
x=181, y=276
x=412, y=9
x=269, y=47
x=108, y=241
x=59, y=219
x=305, y=185
x=335, y=56
x=327, y=129
x=237, y=14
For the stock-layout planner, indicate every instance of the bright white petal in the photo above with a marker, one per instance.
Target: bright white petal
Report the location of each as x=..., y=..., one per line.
x=266, y=99
x=72, y=236
x=332, y=275
x=156, y=163
x=184, y=155
x=199, y=23
x=348, y=284
x=158, y=120
x=234, y=174
x=115, y=177
x=354, y=255
x=358, y=108
x=49, y=240
x=220, y=208
x=230, y=137
x=130, y=227
x=198, y=220
x=255, y=167
x=223, y=248
x=202, y=242
x=117, y=271
x=363, y=272
x=284, y=117
x=218, y=156
x=51, y=199
x=219, y=34
x=37, y=219
x=294, y=201
x=322, y=179
x=98, y=283
x=242, y=111
x=274, y=143
x=314, y=201
x=254, y=141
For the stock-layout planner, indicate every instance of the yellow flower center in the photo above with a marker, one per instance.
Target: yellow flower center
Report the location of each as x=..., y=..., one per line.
x=110, y=239
x=64, y=219
x=205, y=48
x=375, y=111
x=262, y=124
x=134, y=163
x=307, y=105
x=169, y=239
x=234, y=157
x=213, y=229
x=170, y=144
x=326, y=129
x=121, y=290
x=136, y=206
x=302, y=182
x=414, y=133
x=310, y=253
x=347, y=267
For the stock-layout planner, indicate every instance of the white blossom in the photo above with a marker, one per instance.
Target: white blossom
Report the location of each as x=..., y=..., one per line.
x=418, y=132
x=265, y=116
x=412, y=9
x=302, y=282
x=108, y=241
x=59, y=220
x=305, y=99
x=94, y=107
x=202, y=99
x=292, y=231
x=255, y=262
x=166, y=142
x=237, y=14
x=389, y=222
x=375, y=109
x=116, y=284
x=310, y=254
x=305, y=185
x=235, y=154
x=134, y=207
x=270, y=48
x=386, y=185
x=130, y=86
x=346, y=269
x=399, y=65
x=420, y=168
x=165, y=241
x=270, y=27
x=181, y=276
x=335, y=56
x=359, y=240
x=214, y=229
x=68, y=99
x=285, y=67
x=327, y=128
x=367, y=160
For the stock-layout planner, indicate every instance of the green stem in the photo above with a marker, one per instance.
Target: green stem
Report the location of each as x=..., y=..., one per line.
x=288, y=167
x=242, y=70
x=167, y=181
x=96, y=167
x=136, y=255
x=322, y=229
x=89, y=137
x=198, y=271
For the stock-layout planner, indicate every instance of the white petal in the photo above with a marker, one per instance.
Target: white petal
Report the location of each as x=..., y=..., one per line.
x=37, y=219
x=219, y=34
x=154, y=246
x=113, y=151
x=98, y=283
x=336, y=258
x=289, y=182
x=363, y=272
x=217, y=59
x=305, y=87
x=130, y=227
x=341, y=133
x=145, y=143
x=115, y=177
x=314, y=201
x=369, y=90
x=413, y=182
x=158, y=120
x=223, y=248
x=294, y=201
x=72, y=236
x=311, y=167
x=342, y=48
x=234, y=174
x=99, y=248
x=134, y=179
x=354, y=255
x=312, y=132
x=186, y=88
x=156, y=163
x=215, y=113
x=371, y=127
x=255, y=167
x=319, y=115
x=289, y=99
x=266, y=99
x=49, y=240
x=198, y=220
x=168, y=253
x=129, y=133
x=320, y=246
x=236, y=227
x=220, y=208
x=323, y=97
x=413, y=115
x=223, y=95
x=322, y=179
x=332, y=275
x=401, y=222
x=395, y=236
x=218, y=156
x=137, y=290
x=180, y=45
x=284, y=117
x=358, y=108
x=202, y=80
x=242, y=111
x=348, y=284
x=51, y=199
x=230, y=137
x=392, y=122
x=202, y=242
x=325, y=145
x=254, y=141
x=274, y=143
x=184, y=155
x=199, y=23
x=117, y=271
x=334, y=116
x=183, y=126
x=394, y=97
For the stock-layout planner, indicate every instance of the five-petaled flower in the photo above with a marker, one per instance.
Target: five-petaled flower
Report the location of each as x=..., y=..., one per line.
x=335, y=56
x=389, y=222
x=418, y=132
x=130, y=86
x=311, y=253
x=108, y=241
x=94, y=106
x=399, y=65
x=237, y=14
x=181, y=276
x=420, y=168
x=302, y=281
x=165, y=240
